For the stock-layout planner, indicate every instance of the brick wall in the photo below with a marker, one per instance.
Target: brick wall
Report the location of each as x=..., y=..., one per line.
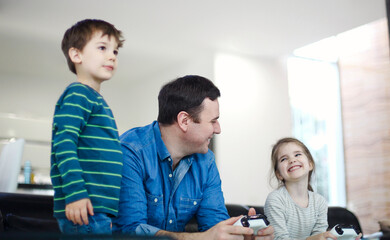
x=365, y=95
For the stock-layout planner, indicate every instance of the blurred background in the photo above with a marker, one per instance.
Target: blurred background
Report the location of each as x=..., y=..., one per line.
x=315, y=70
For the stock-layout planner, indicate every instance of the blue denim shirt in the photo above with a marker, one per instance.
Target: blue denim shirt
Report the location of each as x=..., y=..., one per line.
x=154, y=197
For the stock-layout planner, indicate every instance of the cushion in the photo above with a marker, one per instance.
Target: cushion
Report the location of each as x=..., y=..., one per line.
x=14, y=223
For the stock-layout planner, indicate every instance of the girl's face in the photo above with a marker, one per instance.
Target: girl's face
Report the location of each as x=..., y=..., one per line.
x=292, y=163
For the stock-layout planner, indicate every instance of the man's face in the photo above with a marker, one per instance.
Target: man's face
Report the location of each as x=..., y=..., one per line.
x=200, y=134
x=99, y=58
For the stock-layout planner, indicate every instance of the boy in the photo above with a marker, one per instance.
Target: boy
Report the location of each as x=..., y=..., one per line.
x=86, y=158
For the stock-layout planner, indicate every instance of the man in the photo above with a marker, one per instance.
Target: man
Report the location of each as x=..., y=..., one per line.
x=170, y=175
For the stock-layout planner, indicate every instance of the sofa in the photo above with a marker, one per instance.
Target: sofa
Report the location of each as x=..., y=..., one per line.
x=34, y=214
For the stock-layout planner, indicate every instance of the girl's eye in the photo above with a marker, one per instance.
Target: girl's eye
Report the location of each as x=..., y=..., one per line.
x=102, y=48
x=298, y=154
x=116, y=52
x=281, y=160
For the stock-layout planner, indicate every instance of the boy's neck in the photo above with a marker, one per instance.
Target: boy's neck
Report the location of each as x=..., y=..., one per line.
x=91, y=83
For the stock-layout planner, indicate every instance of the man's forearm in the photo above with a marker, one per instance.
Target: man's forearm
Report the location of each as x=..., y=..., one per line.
x=182, y=235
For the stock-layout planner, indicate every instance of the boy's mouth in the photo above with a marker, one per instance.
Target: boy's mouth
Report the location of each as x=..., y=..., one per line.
x=109, y=68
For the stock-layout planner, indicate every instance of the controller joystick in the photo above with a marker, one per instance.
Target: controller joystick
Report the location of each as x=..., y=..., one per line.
x=256, y=222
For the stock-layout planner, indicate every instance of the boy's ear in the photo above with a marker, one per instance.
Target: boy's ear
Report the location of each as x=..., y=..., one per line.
x=183, y=119
x=74, y=55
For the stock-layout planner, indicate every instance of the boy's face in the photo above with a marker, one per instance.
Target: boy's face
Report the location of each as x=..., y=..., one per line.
x=98, y=59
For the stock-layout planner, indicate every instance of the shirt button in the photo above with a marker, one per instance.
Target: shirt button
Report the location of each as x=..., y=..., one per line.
x=195, y=203
x=155, y=200
x=170, y=221
x=170, y=175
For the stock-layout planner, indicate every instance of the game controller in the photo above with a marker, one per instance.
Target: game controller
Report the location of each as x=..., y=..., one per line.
x=344, y=232
x=256, y=222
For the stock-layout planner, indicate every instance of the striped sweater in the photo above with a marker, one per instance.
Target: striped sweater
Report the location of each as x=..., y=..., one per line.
x=291, y=221
x=86, y=157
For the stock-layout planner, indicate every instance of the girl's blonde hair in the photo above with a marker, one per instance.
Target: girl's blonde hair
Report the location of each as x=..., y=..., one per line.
x=274, y=158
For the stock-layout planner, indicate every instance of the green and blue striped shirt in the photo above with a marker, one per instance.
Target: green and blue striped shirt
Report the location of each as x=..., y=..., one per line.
x=86, y=157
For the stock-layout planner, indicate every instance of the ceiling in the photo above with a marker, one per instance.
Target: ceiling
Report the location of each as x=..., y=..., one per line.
x=160, y=33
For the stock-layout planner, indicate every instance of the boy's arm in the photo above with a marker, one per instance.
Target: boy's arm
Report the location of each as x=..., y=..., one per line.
x=78, y=211
x=72, y=113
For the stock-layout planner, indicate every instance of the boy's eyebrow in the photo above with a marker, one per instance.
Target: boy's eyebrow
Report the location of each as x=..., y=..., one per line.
x=105, y=43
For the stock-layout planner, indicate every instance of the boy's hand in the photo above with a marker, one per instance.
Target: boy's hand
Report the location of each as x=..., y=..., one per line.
x=78, y=211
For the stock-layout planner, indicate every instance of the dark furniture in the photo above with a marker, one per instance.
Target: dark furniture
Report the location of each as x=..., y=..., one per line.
x=340, y=215
x=34, y=214
x=27, y=213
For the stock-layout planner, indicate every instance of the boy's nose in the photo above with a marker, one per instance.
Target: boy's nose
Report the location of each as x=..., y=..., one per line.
x=112, y=56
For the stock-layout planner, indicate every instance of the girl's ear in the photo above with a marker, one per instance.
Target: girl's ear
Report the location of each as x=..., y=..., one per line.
x=74, y=55
x=278, y=175
x=311, y=166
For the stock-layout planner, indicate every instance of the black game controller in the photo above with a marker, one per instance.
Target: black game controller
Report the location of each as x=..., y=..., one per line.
x=345, y=232
x=256, y=222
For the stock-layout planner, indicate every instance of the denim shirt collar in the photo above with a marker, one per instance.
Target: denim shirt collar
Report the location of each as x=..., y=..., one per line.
x=162, y=150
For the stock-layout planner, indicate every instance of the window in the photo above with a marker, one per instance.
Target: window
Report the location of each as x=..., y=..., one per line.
x=315, y=102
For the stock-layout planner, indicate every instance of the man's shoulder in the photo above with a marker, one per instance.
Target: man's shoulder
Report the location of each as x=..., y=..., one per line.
x=137, y=135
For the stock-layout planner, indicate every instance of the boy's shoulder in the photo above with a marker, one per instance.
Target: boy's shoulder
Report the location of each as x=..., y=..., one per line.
x=77, y=87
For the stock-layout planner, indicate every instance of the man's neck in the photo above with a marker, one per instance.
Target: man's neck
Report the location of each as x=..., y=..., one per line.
x=170, y=135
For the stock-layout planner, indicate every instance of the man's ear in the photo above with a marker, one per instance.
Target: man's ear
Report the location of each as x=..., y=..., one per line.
x=74, y=55
x=183, y=120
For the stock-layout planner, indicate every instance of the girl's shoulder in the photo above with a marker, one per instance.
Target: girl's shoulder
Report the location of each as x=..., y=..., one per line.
x=318, y=198
x=280, y=194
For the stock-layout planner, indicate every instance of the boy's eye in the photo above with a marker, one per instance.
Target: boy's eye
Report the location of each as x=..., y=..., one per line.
x=116, y=52
x=298, y=154
x=282, y=159
x=102, y=48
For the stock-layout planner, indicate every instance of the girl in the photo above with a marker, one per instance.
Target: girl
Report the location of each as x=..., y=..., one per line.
x=294, y=210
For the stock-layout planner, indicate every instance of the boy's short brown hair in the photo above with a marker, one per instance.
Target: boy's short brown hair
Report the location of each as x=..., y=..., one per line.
x=80, y=33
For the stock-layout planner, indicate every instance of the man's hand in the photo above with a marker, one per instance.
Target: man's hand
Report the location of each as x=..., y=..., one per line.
x=263, y=234
x=223, y=230
x=78, y=211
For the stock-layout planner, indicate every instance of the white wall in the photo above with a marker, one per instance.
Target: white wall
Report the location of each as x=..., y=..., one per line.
x=27, y=103
x=254, y=113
